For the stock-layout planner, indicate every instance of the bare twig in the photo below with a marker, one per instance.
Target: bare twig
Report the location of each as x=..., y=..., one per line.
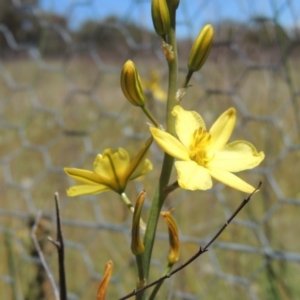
x=59, y=244
x=170, y=188
x=41, y=256
x=198, y=253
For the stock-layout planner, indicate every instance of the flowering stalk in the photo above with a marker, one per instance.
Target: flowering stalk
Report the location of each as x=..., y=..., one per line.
x=168, y=161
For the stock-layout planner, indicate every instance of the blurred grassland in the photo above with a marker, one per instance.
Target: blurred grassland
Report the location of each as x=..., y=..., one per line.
x=64, y=116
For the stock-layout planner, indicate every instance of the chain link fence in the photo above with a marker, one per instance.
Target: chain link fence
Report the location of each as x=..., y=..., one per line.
x=61, y=104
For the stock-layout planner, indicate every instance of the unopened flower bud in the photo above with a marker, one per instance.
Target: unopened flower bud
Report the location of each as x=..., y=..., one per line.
x=137, y=246
x=160, y=17
x=201, y=48
x=105, y=280
x=173, y=237
x=131, y=84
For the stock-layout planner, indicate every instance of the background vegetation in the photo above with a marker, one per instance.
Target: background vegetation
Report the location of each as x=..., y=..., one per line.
x=61, y=104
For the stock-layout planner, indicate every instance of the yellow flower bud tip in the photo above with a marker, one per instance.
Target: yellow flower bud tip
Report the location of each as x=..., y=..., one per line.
x=201, y=48
x=160, y=17
x=105, y=280
x=137, y=246
x=131, y=84
x=173, y=237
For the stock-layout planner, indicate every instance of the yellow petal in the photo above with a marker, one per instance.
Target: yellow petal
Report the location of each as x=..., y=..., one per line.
x=170, y=144
x=231, y=180
x=222, y=129
x=186, y=124
x=236, y=156
x=138, y=166
x=79, y=190
x=191, y=176
x=113, y=165
x=111, y=162
x=142, y=169
x=86, y=176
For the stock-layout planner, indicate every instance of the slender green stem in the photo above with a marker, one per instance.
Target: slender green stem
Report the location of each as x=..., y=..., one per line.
x=173, y=70
x=168, y=161
x=141, y=280
x=187, y=79
x=127, y=201
x=157, y=286
x=150, y=116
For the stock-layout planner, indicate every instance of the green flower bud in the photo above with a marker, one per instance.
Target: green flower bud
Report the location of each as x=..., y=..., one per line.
x=131, y=84
x=201, y=48
x=160, y=17
x=137, y=246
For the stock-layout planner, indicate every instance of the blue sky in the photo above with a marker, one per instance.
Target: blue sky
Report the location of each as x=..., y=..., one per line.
x=192, y=14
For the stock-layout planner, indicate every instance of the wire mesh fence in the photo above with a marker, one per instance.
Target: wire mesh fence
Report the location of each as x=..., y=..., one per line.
x=61, y=104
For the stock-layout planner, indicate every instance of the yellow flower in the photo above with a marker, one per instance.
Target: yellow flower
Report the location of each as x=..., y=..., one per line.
x=204, y=154
x=112, y=170
x=153, y=86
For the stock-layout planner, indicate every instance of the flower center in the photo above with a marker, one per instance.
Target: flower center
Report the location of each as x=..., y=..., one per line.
x=199, y=143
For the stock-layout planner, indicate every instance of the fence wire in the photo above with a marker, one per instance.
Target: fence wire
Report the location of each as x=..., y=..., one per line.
x=61, y=104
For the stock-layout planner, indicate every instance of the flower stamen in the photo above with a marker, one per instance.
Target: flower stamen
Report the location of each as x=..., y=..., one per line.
x=200, y=141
